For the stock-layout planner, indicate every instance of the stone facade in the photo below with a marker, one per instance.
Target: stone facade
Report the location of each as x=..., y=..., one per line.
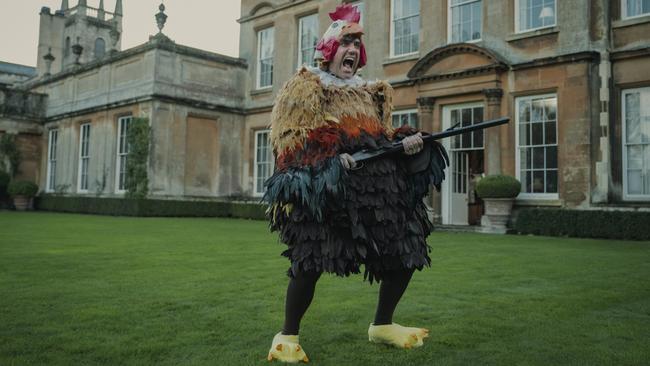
x=581, y=59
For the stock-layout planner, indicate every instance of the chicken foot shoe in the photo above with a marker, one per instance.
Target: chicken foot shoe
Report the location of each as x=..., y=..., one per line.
x=397, y=335
x=285, y=348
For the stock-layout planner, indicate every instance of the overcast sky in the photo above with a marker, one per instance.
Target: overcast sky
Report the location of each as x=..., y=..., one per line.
x=206, y=24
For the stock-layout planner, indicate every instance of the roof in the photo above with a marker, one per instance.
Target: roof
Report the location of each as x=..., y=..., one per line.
x=9, y=68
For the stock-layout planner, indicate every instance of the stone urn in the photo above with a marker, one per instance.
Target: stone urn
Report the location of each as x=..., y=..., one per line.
x=23, y=203
x=23, y=193
x=498, y=193
x=497, y=214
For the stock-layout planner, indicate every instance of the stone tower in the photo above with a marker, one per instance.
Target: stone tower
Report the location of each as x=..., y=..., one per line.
x=77, y=35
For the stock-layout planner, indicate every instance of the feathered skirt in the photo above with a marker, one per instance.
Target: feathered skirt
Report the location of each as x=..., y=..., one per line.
x=375, y=220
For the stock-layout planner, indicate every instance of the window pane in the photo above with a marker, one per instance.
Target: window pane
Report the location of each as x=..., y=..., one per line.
x=549, y=133
x=551, y=181
x=538, y=157
x=551, y=157
x=537, y=134
x=524, y=134
x=634, y=183
x=538, y=181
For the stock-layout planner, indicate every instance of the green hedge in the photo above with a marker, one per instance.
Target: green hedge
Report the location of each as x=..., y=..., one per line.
x=150, y=207
x=629, y=225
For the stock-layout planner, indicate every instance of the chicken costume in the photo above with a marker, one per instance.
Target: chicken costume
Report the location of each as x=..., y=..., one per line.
x=333, y=219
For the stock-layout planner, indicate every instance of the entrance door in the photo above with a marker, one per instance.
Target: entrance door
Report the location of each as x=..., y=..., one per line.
x=459, y=203
x=459, y=179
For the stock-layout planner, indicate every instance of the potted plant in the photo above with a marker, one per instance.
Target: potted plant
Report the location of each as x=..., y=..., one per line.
x=498, y=192
x=22, y=192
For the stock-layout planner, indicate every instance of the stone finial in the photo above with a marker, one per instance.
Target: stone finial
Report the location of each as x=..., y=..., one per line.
x=161, y=17
x=64, y=5
x=83, y=3
x=101, y=14
x=49, y=58
x=115, y=36
x=118, y=7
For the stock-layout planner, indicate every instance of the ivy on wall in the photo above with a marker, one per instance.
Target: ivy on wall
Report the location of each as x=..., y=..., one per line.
x=138, y=140
x=9, y=154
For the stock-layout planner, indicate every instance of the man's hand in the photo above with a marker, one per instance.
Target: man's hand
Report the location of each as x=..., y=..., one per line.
x=413, y=144
x=347, y=161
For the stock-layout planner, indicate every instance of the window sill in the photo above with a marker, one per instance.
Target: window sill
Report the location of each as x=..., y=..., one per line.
x=631, y=21
x=262, y=91
x=531, y=34
x=550, y=202
x=398, y=59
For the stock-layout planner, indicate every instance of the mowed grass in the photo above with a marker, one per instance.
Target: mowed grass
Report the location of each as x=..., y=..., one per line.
x=92, y=290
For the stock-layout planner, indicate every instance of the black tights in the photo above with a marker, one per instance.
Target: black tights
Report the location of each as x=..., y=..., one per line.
x=300, y=293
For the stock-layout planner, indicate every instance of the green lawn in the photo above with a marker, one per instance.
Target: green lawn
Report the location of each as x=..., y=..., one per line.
x=92, y=290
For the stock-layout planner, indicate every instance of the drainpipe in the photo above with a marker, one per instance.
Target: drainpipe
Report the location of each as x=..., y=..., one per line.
x=603, y=162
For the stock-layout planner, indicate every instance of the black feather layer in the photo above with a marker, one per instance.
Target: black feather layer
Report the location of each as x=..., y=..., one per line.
x=339, y=220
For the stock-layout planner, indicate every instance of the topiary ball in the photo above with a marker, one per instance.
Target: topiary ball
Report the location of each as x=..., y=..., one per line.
x=22, y=188
x=498, y=186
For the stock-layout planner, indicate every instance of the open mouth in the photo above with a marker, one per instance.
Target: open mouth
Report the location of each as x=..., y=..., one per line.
x=348, y=62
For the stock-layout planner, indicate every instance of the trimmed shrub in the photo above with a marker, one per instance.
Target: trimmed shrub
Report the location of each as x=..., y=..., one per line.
x=498, y=186
x=150, y=207
x=628, y=225
x=22, y=188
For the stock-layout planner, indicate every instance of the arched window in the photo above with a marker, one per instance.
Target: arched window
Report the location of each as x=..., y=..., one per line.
x=67, y=47
x=100, y=48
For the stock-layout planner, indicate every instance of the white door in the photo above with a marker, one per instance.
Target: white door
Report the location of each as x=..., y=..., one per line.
x=459, y=182
x=455, y=190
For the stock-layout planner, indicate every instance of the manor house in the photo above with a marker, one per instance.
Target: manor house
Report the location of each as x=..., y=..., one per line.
x=574, y=76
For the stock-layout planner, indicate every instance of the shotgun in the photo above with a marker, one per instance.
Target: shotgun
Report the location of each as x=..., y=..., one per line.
x=397, y=147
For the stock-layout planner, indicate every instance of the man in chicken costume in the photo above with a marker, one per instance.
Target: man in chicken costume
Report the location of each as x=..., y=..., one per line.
x=334, y=214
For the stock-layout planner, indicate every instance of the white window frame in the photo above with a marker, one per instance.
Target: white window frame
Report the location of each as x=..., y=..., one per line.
x=361, y=7
x=518, y=19
x=450, y=27
x=624, y=12
x=84, y=159
x=626, y=195
x=392, y=31
x=256, y=162
x=403, y=112
x=118, y=162
x=259, y=57
x=311, y=62
x=537, y=196
x=52, y=145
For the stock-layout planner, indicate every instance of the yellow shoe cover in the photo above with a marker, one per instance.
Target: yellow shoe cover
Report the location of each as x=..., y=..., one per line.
x=285, y=348
x=397, y=335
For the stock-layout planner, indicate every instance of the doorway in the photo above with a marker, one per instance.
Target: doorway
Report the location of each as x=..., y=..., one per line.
x=460, y=205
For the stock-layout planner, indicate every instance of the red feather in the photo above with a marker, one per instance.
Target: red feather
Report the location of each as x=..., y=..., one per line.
x=328, y=48
x=346, y=12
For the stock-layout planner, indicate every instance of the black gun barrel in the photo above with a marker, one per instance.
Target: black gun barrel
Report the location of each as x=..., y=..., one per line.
x=396, y=147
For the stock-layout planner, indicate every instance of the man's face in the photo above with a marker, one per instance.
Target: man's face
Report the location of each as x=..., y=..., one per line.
x=346, y=60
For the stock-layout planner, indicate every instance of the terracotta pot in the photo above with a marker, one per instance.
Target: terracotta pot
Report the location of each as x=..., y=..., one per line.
x=497, y=213
x=23, y=203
